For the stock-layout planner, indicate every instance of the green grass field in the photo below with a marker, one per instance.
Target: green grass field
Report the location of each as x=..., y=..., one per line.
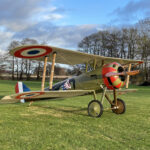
x=65, y=125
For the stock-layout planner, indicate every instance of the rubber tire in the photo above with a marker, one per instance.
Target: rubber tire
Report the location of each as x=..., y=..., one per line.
x=123, y=105
x=100, y=105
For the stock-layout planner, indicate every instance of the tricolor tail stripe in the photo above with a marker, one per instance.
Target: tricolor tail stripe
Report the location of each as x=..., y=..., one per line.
x=21, y=87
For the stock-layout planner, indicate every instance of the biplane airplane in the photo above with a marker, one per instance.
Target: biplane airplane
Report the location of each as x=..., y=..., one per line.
x=107, y=74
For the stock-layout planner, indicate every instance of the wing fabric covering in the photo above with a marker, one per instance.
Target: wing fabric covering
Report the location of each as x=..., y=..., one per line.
x=34, y=95
x=64, y=56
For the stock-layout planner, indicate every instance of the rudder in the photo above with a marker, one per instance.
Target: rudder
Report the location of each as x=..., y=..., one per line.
x=21, y=87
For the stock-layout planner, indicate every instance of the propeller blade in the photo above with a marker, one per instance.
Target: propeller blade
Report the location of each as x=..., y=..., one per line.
x=131, y=73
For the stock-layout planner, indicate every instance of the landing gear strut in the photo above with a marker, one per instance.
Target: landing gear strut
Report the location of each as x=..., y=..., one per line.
x=118, y=105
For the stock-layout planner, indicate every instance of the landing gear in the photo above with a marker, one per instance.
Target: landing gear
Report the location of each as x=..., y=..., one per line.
x=120, y=108
x=95, y=108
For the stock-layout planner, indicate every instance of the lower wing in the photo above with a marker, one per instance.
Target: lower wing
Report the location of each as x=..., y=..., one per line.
x=38, y=95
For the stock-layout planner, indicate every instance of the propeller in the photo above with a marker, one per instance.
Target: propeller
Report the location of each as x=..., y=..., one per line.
x=131, y=73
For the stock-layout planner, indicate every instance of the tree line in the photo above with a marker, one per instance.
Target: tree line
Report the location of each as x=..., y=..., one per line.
x=24, y=68
x=127, y=43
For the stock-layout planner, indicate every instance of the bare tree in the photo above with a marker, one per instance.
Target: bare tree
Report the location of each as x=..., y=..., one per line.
x=127, y=43
x=28, y=63
x=13, y=45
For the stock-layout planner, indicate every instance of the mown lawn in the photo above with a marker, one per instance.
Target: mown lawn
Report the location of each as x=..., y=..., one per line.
x=65, y=125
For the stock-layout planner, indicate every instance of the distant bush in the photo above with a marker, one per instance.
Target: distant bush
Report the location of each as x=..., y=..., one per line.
x=145, y=83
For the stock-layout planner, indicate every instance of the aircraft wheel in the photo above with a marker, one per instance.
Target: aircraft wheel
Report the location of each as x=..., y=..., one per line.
x=121, y=107
x=95, y=108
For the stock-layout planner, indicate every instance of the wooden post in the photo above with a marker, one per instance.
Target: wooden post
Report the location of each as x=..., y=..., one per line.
x=44, y=74
x=52, y=71
x=128, y=77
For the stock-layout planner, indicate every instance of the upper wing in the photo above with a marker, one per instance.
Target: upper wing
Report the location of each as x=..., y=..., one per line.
x=64, y=56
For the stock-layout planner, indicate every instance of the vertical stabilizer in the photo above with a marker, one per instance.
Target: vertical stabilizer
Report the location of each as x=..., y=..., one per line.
x=20, y=88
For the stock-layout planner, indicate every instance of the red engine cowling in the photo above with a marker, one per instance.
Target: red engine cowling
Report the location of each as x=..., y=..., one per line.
x=113, y=82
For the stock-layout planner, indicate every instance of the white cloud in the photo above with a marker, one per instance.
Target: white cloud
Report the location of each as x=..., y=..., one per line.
x=5, y=39
x=62, y=36
x=52, y=17
x=35, y=19
x=21, y=14
x=132, y=11
x=53, y=8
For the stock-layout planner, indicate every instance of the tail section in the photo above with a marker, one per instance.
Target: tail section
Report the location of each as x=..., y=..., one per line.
x=21, y=87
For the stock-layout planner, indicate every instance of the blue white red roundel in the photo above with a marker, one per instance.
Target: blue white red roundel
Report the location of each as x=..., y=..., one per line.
x=33, y=51
x=29, y=95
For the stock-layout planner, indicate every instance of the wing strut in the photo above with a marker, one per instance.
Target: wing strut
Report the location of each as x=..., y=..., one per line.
x=44, y=73
x=86, y=67
x=52, y=71
x=128, y=77
x=94, y=64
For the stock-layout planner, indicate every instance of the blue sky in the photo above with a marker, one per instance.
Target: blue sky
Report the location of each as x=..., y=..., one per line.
x=89, y=11
x=64, y=23
x=101, y=11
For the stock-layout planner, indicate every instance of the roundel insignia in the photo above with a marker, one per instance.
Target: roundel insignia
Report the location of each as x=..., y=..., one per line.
x=32, y=51
x=29, y=95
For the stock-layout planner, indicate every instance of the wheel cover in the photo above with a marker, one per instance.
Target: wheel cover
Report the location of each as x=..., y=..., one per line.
x=94, y=109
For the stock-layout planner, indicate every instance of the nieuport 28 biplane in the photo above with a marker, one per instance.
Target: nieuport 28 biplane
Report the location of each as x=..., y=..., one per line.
x=107, y=73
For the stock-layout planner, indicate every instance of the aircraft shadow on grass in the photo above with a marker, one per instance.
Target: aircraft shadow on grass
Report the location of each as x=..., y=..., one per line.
x=66, y=109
